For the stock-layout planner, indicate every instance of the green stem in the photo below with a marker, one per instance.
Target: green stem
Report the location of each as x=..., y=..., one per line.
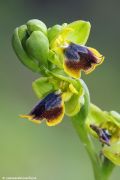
x=107, y=168
x=100, y=172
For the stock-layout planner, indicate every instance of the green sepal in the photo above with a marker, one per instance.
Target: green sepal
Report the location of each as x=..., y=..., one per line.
x=53, y=32
x=42, y=87
x=95, y=115
x=80, y=32
x=112, y=152
x=76, y=32
x=99, y=117
x=115, y=115
x=38, y=47
x=54, y=59
x=18, y=38
x=36, y=25
x=60, y=74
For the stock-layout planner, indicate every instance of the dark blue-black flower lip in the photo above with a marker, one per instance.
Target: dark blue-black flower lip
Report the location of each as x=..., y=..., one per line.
x=78, y=57
x=50, y=108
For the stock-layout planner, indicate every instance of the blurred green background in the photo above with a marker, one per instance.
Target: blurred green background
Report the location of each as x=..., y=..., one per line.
x=53, y=153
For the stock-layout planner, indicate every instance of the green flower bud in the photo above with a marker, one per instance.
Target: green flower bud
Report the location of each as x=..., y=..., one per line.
x=38, y=46
x=36, y=25
x=18, y=41
x=31, y=44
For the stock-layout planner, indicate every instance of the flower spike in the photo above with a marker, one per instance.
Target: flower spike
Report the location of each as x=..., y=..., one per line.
x=50, y=108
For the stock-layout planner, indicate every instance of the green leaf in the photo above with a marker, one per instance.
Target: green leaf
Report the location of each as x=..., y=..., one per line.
x=42, y=87
x=38, y=47
x=80, y=33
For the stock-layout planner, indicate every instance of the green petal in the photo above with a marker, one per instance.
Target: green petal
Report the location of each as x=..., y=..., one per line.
x=80, y=33
x=73, y=106
x=38, y=47
x=36, y=25
x=42, y=87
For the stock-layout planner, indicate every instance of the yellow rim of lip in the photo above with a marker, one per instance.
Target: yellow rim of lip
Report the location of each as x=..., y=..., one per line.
x=52, y=122
x=30, y=118
x=58, y=120
x=71, y=72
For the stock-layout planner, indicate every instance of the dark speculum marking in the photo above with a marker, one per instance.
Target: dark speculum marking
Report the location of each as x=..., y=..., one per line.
x=53, y=114
x=103, y=134
x=49, y=108
x=79, y=57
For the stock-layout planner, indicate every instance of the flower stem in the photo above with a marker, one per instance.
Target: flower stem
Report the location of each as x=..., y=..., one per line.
x=101, y=169
x=81, y=131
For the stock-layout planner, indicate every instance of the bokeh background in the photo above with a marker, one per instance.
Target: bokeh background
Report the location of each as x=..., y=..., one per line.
x=53, y=153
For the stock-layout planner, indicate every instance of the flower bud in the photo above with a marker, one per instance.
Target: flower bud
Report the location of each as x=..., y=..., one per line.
x=37, y=46
x=31, y=44
x=18, y=42
x=36, y=25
